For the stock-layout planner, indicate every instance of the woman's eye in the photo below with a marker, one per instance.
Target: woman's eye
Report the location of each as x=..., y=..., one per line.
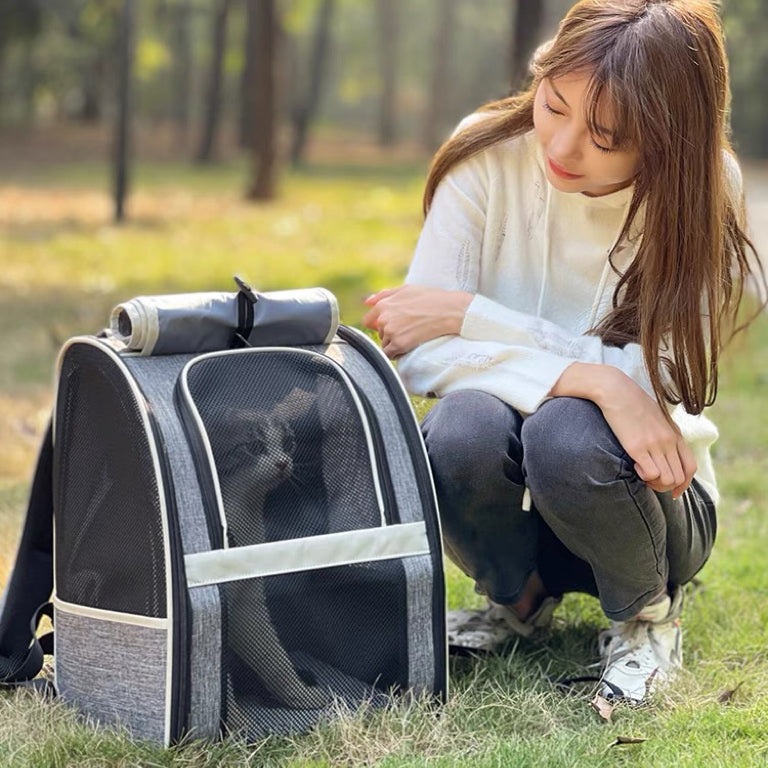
x=600, y=147
x=550, y=109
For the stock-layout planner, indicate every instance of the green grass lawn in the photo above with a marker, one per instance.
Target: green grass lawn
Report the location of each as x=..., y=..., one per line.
x=353, y=230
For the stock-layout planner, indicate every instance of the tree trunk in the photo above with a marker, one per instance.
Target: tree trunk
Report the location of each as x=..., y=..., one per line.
x=387, y=23
x=264, y=145
x=3, y=100
x=122, y=127
x=28, y=81
x=527, y=21
x=248, y=75
x=304, y=112
x=213, y=94
x=182, y=70
x=93, y=78
x=438, y=92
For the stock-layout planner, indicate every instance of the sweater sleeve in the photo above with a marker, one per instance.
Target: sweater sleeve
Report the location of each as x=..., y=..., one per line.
x=488, y=320
x=518, y=375
x=507, y=353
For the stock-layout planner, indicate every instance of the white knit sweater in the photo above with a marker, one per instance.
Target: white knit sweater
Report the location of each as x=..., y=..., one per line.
x=536, y=260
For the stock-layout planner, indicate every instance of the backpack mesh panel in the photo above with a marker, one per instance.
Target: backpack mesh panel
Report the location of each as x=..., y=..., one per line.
x=109, y=535
x=293, y=461
x=299, y=644
x=288, y=444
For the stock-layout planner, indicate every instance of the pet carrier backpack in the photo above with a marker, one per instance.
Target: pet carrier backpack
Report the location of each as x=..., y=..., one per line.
x=246, y=538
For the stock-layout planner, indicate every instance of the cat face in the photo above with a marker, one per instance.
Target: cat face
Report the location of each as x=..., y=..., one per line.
x=260, y=445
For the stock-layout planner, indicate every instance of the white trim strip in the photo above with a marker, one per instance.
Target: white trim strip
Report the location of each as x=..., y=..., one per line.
x=104, y=615
x=152, y=328
x=292, y=555
x=335, y=316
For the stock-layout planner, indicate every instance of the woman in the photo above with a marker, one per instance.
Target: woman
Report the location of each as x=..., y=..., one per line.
x=580, y=267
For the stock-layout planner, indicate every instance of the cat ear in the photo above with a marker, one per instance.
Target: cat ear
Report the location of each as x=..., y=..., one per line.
x=295, y=404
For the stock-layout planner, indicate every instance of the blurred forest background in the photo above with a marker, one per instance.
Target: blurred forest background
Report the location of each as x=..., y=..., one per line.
x=208, y=80
x=181, y=117
x=139, y=141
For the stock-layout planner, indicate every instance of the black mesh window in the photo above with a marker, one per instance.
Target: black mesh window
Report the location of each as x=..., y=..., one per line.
x=297, y=644
x=288, y=443
x=109, y=536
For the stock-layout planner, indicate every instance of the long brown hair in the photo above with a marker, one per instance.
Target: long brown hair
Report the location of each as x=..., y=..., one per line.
x=662, y=67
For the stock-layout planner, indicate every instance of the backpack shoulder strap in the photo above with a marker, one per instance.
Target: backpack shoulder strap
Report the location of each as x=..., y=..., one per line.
x=31, y=582
x=21, y=669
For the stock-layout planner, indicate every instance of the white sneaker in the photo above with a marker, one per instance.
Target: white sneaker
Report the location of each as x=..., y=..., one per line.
x=491, y=628
x=640, y=654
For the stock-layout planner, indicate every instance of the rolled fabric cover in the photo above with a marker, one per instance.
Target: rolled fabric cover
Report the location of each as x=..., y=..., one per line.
x=205, y=322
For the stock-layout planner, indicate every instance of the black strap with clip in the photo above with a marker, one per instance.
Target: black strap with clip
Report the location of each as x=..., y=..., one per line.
x=246, y=298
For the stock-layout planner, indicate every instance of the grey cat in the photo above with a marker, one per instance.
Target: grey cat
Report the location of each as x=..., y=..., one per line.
x=260, y=458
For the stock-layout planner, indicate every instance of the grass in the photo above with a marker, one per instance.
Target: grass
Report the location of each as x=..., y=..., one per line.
x=65, y=265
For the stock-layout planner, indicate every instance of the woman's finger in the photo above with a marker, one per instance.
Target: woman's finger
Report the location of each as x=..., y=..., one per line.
x=389, y=349
x=676, y=467
x=646, y=467
x=375, y=298
x=666, y=479
x=371, y=319
x=687, y=459
x=689, y=466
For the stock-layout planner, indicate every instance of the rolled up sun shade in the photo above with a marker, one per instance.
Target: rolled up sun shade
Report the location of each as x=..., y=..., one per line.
x=204, y=322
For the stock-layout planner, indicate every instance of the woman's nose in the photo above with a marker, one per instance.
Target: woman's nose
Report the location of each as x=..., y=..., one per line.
x=565, y=145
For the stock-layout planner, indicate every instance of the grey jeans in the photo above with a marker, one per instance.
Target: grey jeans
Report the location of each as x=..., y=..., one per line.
x=594, y=525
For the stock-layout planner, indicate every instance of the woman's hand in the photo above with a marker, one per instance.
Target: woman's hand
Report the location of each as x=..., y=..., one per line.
x=662, y=457
x=410, y=315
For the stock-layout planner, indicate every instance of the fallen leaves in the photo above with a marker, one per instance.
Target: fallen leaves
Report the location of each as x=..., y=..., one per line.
x=603, y=707
x=727, y=695
x=622, y=740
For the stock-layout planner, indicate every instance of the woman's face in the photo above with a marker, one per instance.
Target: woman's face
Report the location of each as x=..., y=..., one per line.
x=577, y=160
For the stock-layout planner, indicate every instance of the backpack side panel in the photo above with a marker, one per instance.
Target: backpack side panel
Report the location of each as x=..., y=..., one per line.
x=414, y=491
x=114, y=592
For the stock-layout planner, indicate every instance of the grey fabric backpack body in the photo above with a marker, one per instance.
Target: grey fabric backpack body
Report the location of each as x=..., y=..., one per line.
x=245, y=539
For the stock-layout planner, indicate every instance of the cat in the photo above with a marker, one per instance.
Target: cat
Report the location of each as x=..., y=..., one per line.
x=259, y=458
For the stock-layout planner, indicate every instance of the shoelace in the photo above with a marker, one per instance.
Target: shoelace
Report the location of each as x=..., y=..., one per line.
x=622, y=638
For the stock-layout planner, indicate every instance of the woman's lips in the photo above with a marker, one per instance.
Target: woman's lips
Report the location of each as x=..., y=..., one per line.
x=561, y=172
